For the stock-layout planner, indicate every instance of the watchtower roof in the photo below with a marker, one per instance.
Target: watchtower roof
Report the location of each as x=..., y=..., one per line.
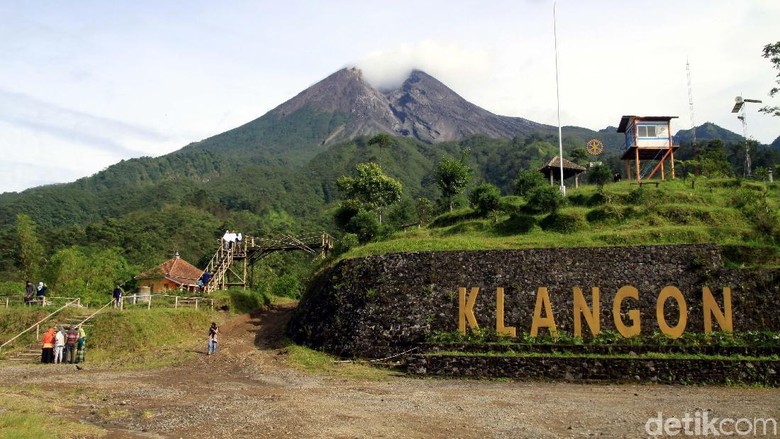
x=625, y=120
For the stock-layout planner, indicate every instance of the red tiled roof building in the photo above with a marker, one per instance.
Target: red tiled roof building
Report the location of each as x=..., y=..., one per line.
x=173, y=274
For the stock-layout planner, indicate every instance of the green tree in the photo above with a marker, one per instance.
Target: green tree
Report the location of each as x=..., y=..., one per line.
x=600, y=175
x=485, y=198
x=424, y=209
x=371, y=189
x=579, y=156
x=772, y=53
x=712, y=160
x=87, y=273
x=452, y=177
x=29, y=250
x=527, y=180
x=383, y=141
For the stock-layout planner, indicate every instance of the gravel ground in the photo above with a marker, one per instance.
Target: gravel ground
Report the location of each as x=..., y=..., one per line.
x=248, y=390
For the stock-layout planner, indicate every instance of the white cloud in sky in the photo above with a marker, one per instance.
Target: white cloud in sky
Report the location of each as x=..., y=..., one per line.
x=87, y=84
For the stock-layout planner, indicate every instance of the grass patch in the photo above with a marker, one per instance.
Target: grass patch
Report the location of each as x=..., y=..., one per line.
x=311, y=361
x=33, y=413
x=147, y=338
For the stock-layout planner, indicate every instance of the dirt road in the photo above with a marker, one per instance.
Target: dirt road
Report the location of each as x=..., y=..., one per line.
x=247, y=390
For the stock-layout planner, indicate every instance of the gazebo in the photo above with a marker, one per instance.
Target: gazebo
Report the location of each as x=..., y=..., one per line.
x=570, y=169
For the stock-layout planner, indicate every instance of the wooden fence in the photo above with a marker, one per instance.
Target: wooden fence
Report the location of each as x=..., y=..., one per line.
x=135, y=301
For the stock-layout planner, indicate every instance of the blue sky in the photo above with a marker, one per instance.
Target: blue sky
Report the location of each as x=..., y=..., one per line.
x=86, y=84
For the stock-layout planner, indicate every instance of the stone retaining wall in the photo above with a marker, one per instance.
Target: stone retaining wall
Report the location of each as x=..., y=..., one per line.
x=383, y=305
x=667, y=371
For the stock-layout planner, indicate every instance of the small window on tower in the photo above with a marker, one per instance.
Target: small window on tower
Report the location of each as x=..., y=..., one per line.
x=646, y=130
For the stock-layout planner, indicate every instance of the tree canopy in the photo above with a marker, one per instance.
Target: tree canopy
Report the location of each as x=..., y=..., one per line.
x=452, y=177
x=772, y=53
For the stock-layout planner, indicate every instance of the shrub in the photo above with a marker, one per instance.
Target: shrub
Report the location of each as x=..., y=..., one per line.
x=450, y=218
x=637, y=196
x=517, y=224
x=242, y=301
x=485, y=198
x=365, y=225
x=564, y=222
x=600, y=175
x=287, y=285
x=605, y=214
x=528, y=180
x=545, y=199
x=348, y=241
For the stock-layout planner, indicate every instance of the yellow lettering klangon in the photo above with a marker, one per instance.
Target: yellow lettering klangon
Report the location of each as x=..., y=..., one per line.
x=466, y=309
x=711, y=309
x=548, y=321
x=626, y=331
x=509, y=331
x=592, y=315
x=682, y=321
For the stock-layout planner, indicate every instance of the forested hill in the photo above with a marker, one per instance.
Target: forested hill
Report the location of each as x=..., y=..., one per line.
x=278, y=172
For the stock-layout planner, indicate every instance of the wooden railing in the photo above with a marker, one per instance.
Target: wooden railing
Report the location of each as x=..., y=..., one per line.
x=37, y=324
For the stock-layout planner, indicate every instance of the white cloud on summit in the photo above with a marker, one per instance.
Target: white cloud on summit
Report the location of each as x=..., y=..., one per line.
x=387, y=69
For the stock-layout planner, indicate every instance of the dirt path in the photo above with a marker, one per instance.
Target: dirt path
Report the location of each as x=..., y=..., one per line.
x=248, y=390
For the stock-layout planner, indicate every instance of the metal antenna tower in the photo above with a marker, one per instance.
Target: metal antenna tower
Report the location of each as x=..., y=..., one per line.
x=739, y=107
x=690, y=110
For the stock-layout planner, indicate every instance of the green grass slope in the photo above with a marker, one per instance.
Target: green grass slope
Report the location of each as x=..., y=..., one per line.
x=740, y=215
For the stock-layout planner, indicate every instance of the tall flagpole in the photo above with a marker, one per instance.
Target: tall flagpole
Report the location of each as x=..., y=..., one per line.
x=558, y=97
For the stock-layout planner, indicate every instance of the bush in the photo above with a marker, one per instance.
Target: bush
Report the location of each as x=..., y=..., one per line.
x=287, y=285
x=450, y=218
x=568, y=222
x=365, y=225
x=485, y=198
x=347, y=242
x=528, y=180
x=605, y=214
x=517, y=224
x=545, y=199
x=244, y=301
x=600, y=175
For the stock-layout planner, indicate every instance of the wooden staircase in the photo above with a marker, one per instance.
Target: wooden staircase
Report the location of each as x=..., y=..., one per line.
x=224, y=273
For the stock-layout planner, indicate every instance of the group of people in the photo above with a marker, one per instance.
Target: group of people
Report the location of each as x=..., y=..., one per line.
x=231, y=238
x=33, y=294
x=64, y=345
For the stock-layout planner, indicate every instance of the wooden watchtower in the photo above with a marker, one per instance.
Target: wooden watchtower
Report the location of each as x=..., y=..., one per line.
x=648, y=140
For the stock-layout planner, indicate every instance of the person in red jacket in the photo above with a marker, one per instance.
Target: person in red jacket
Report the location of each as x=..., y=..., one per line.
x=47, y=353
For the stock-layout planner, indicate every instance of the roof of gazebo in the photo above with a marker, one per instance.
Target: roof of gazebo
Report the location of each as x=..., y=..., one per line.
x=570, y=168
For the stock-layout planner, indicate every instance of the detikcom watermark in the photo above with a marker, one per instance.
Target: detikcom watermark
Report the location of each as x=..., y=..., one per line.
x=701, y=423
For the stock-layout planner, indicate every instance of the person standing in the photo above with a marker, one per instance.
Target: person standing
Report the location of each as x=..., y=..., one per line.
x=42, y=290
x=47, y=351
x=59, y=345
x=70, y=344
x=81, y=344
x=213, y=331
x=29, y=293
x=118, y=293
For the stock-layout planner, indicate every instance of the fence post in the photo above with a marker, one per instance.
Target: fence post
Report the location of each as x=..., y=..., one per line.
x=6, y=302
x=38, y=332
x=149, y=304
x=176, y=303
x=196, y=303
